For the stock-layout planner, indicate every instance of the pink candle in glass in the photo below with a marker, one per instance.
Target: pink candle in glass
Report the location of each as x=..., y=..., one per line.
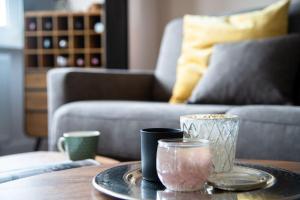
x=183, y=165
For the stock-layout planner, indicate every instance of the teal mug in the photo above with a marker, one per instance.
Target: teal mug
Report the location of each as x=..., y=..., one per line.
x=79, y=145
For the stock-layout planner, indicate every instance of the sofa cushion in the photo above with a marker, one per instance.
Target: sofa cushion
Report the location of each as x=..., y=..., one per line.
x=169, y=52
x=120, y=121
x=251, y=72
x=200, y=33
x=268, y=132
x=171, y=47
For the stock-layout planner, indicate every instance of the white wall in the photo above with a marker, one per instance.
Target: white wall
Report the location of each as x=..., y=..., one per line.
x=82, y=5
x=217, y=6
x=144, y=33
x=12, y=136
x=147, y=19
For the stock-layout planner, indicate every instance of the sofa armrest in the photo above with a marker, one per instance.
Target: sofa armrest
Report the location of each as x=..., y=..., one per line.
x=73, y=84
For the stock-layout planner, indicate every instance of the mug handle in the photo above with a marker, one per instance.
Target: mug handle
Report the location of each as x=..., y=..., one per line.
x=61, y=144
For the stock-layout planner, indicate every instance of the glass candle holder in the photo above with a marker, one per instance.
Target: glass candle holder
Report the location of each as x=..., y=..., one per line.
x=220, y=129
x=183, y=165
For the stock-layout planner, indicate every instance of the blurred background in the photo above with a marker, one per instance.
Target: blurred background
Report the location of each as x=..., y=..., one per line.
x=38, y=35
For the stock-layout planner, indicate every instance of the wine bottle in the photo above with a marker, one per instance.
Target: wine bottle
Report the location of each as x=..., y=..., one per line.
x=62, y=61
x=47, y=43
x=32, y=26
x=79, y=61
x=98, y=27
x=63, y=43
x=95, y=61
x=78, y=25
x=47, y=25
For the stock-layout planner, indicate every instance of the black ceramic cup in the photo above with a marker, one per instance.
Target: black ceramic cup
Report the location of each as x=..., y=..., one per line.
x=149, y=142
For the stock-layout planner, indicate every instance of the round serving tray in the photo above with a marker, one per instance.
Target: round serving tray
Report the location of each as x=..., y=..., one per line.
x=125, y=182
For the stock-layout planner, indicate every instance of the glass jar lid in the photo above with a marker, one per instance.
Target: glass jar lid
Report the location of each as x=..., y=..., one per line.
x=210, y=116
x=183, y=143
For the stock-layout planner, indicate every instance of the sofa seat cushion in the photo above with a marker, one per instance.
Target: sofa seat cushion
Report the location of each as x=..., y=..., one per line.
x=120, y=121
x=268, y=132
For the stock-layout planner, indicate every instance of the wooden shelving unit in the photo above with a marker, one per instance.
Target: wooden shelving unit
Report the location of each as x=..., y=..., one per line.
x=57, y=39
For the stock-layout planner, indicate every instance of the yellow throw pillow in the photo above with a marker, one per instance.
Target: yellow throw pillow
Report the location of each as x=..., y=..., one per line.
x=200, y=33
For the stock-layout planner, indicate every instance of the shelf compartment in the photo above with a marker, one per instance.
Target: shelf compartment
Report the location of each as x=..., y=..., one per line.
x=62, y=23
x=47, y=23
x=31, y=42
x=78, y=22
x=95, y=60
x=31, y=60
x=48, y=60
x=79, y=42
x=95, y=41
x=31, y=24
x=93, y=20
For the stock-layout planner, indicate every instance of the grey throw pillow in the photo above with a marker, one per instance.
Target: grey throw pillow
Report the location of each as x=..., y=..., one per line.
x=251, y=72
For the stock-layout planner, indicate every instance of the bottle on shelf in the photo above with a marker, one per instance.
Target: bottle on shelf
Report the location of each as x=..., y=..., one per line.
x=47, y=25
x=47, y=43
x=62, y=61
x=95, y=61
x=79, y=61
x=63, y=43
x=99, y=27
x=62, y=23
x=78, y=25
x=32, y=26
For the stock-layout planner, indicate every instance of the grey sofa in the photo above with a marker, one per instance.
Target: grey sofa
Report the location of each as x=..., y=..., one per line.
x=120, y=103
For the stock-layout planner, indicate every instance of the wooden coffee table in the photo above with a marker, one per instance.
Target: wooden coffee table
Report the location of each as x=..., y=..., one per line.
x=76, y=183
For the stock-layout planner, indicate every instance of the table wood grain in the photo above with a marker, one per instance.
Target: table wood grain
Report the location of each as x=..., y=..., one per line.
x=75, y=184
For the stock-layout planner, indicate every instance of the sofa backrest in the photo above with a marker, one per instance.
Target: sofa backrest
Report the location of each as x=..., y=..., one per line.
x=170, y=50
